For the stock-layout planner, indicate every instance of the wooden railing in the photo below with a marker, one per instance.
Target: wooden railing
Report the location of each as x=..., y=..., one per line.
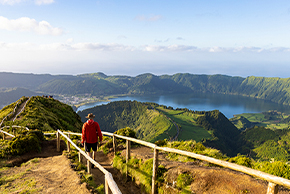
x=14, y=110
x=21, y=109
x=109, y=181
x=5, y=133
x=274, y=181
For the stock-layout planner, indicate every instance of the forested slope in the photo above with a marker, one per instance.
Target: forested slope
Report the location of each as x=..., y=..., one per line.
x=98, y=84
x=273, y=89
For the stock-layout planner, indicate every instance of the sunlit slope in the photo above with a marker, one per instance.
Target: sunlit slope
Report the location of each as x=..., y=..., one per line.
x=45, y=114
x=148, y=124
x=274, y=89
x=186, y=122
x=153, y=122
x=271, y=119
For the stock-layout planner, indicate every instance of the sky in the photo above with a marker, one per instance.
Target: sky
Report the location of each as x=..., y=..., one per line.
x=132, y=37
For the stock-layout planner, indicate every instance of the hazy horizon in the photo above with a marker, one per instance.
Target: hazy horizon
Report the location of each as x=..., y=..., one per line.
x=58, y=37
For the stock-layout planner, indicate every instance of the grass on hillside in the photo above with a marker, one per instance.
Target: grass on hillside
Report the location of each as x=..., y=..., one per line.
x=187, y=123
x=46, y=114
x=14, y=180
x=164, y=128
x=271, y=119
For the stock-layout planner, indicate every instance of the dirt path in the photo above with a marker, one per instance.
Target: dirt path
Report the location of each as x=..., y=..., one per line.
x=19, y=110
x=125, y=186
x=46, y=172
x=51, y=172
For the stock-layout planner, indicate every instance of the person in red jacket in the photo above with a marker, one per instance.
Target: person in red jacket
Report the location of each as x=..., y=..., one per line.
x=91, y=134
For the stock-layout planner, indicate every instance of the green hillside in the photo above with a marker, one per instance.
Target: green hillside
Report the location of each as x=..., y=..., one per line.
x=45, y=114
x=241, y=122
x=266, y=144
x=273, y=89
x=270, y=119
x=148, y=124
x=153, y=122
x=186, y=120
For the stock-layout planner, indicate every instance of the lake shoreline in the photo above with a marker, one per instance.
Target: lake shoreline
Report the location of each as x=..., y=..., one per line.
x=229, y=105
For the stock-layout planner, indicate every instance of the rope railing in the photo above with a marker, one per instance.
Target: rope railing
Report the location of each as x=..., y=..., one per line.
x=274, y=181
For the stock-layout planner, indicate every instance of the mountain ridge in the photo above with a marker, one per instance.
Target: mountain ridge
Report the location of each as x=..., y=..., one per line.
x=98, y=84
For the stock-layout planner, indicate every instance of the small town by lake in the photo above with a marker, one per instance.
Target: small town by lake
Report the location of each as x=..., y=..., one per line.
x=229, y=105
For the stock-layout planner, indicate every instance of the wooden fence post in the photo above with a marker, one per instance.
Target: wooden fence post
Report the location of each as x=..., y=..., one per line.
x=114, y=144
x=272, y=188
x=106, y=185
x=80, y=156
x=68, y=143
x=128, y=150
x=154, y=170
x=128, y=153
x=89, y=166
x=57, y=142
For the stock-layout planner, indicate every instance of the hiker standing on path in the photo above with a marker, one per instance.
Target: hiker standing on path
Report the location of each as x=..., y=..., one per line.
x=91, y=133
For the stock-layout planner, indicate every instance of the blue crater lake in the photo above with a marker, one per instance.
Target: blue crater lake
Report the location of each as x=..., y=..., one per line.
x=229, y=105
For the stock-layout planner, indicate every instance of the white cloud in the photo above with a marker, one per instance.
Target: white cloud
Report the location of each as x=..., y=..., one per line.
x=149, y=18
x=70, y=40
x=169, y=48
x=40, y=2
x=28, y=24
x=69, y=45
x=101, y=47
x=26, y=46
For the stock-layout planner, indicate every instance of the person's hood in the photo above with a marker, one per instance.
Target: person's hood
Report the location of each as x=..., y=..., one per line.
x=91, y=121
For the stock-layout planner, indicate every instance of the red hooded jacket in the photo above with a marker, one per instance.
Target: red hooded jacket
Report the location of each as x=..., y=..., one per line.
x=91, y=131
